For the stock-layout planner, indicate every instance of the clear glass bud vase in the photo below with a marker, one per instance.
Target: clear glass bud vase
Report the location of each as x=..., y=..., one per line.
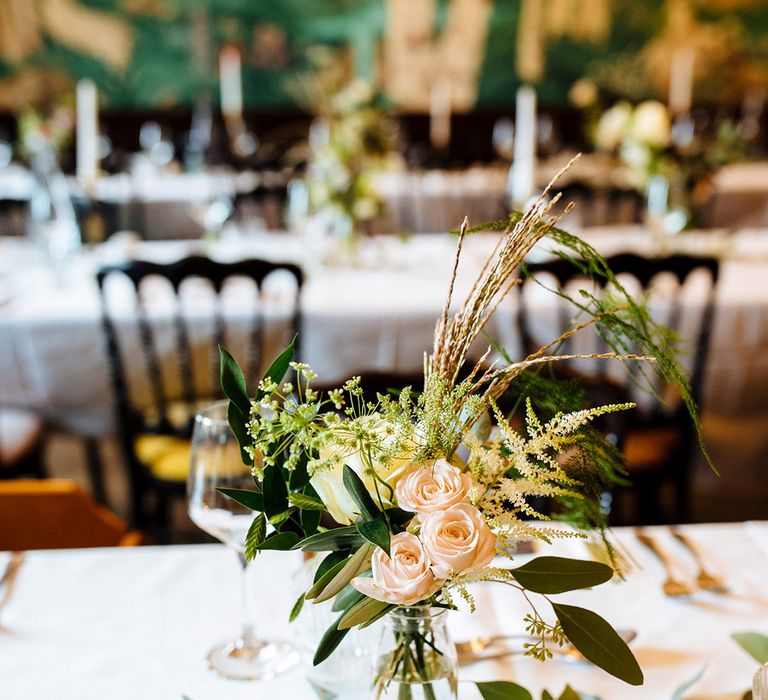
x=416, y=658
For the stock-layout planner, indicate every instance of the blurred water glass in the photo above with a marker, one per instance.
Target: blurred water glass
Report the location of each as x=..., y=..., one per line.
x=503, y=138
x=6, y=154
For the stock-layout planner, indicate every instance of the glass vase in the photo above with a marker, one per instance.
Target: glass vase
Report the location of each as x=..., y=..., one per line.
x=416, y=658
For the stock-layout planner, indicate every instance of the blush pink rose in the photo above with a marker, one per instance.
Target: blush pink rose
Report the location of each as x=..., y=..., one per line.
x=432, y=488
x=404, y=577
x=457, y=540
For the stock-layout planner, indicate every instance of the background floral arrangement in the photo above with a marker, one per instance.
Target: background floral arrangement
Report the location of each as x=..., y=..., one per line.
x=427, y=488
x=349, y=143
x=648, y=145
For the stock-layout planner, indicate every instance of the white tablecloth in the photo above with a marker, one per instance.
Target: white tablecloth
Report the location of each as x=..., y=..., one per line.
x=119, y=623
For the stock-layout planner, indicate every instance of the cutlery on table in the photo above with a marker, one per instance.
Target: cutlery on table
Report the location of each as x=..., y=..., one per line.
x=672, y=586
x=485, y=648
x=9, y=577
x=705, y=579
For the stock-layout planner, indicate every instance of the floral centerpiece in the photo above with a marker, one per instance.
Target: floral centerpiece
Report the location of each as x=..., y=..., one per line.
x=671, y=165
x=414, y=499
x=349, y=143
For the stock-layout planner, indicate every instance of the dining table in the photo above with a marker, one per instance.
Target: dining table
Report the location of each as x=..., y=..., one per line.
x=373, y=315
x=137, y=622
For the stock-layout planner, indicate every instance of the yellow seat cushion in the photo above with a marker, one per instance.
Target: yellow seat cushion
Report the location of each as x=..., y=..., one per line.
x=166, y=456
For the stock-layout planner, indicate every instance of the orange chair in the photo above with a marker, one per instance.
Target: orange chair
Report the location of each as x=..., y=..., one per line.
x=57, y=514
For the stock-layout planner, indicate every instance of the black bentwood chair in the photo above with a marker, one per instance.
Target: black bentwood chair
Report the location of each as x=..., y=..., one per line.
x=657, y=438
x=164, y=363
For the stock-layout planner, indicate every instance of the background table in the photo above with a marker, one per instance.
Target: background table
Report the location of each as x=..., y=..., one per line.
x=377, y=316
x=130, y=623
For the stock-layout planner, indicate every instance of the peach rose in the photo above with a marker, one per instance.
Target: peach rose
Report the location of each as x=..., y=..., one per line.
x=404, y=577
x=457, y=540
x=432, y=488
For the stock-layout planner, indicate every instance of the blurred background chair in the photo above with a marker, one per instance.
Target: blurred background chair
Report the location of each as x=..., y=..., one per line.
x=176, y=347
x=57, y=514
x=21, y=443
x=657, y=438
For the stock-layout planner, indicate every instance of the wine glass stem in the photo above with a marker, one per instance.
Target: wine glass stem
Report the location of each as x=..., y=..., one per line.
x=247, y=633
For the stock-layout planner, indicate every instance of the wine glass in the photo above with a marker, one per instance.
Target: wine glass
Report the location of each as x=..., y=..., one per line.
x=216, y=463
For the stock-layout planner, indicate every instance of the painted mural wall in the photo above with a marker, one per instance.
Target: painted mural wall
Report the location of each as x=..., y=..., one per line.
x=162, y=53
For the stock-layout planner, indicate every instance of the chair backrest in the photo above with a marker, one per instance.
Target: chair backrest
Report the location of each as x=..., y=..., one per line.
x=177, y=346
x=644, y=270
x=56, y=514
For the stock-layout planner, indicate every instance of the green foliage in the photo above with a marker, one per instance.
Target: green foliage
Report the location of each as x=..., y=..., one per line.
x=282, y=541
x=360, y=561
x=330, y=640
x=319, y=585
x=503, y=690
x=375, y=531
x=685, y=687
x=253, y=500
x=359, y=493
x=362, y=612
x=305, y=502
x=755, y=644
x=296, y=609
x=332, y=540
x=275, y=491
x=598, y=642
x=558, y=574
x=256, y=534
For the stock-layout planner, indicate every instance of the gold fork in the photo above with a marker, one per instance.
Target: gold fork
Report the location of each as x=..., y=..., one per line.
x=705, y=580
x=673, y=586
x=10, y=576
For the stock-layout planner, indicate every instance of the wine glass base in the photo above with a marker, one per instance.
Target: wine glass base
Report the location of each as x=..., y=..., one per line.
x=253, y=659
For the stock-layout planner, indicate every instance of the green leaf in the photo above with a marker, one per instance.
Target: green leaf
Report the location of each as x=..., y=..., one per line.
x=332, y=540
x=377, y=616
x=301, y=500
x=398, y=516
x=329, y=641
x=598, y=642
x=557, y=574
x=346, y=598
x=503, y=690
x=325, y=579
x=233, y=381
x=360, y=561
x=299, y=476
x=237, y=424
x=279, y=518
x=569, y=694
x=310, y=520
x=296, y=609
x=755, y=644
x=281, y=541
x=254, y=500
x=275, y=491
x=678, y=694
x=545, y=695
x=362, y=612
x=279, y=367
x=256, y=534
x=747, y=695
x=356, y=488
x=376, y=532
x=328, y=563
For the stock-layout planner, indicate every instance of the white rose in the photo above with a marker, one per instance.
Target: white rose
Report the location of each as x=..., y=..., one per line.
x=329, y=482
x=613, y=126
x=457, y=540
x=650, y=124
x=403, y=577
x=432, y=488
